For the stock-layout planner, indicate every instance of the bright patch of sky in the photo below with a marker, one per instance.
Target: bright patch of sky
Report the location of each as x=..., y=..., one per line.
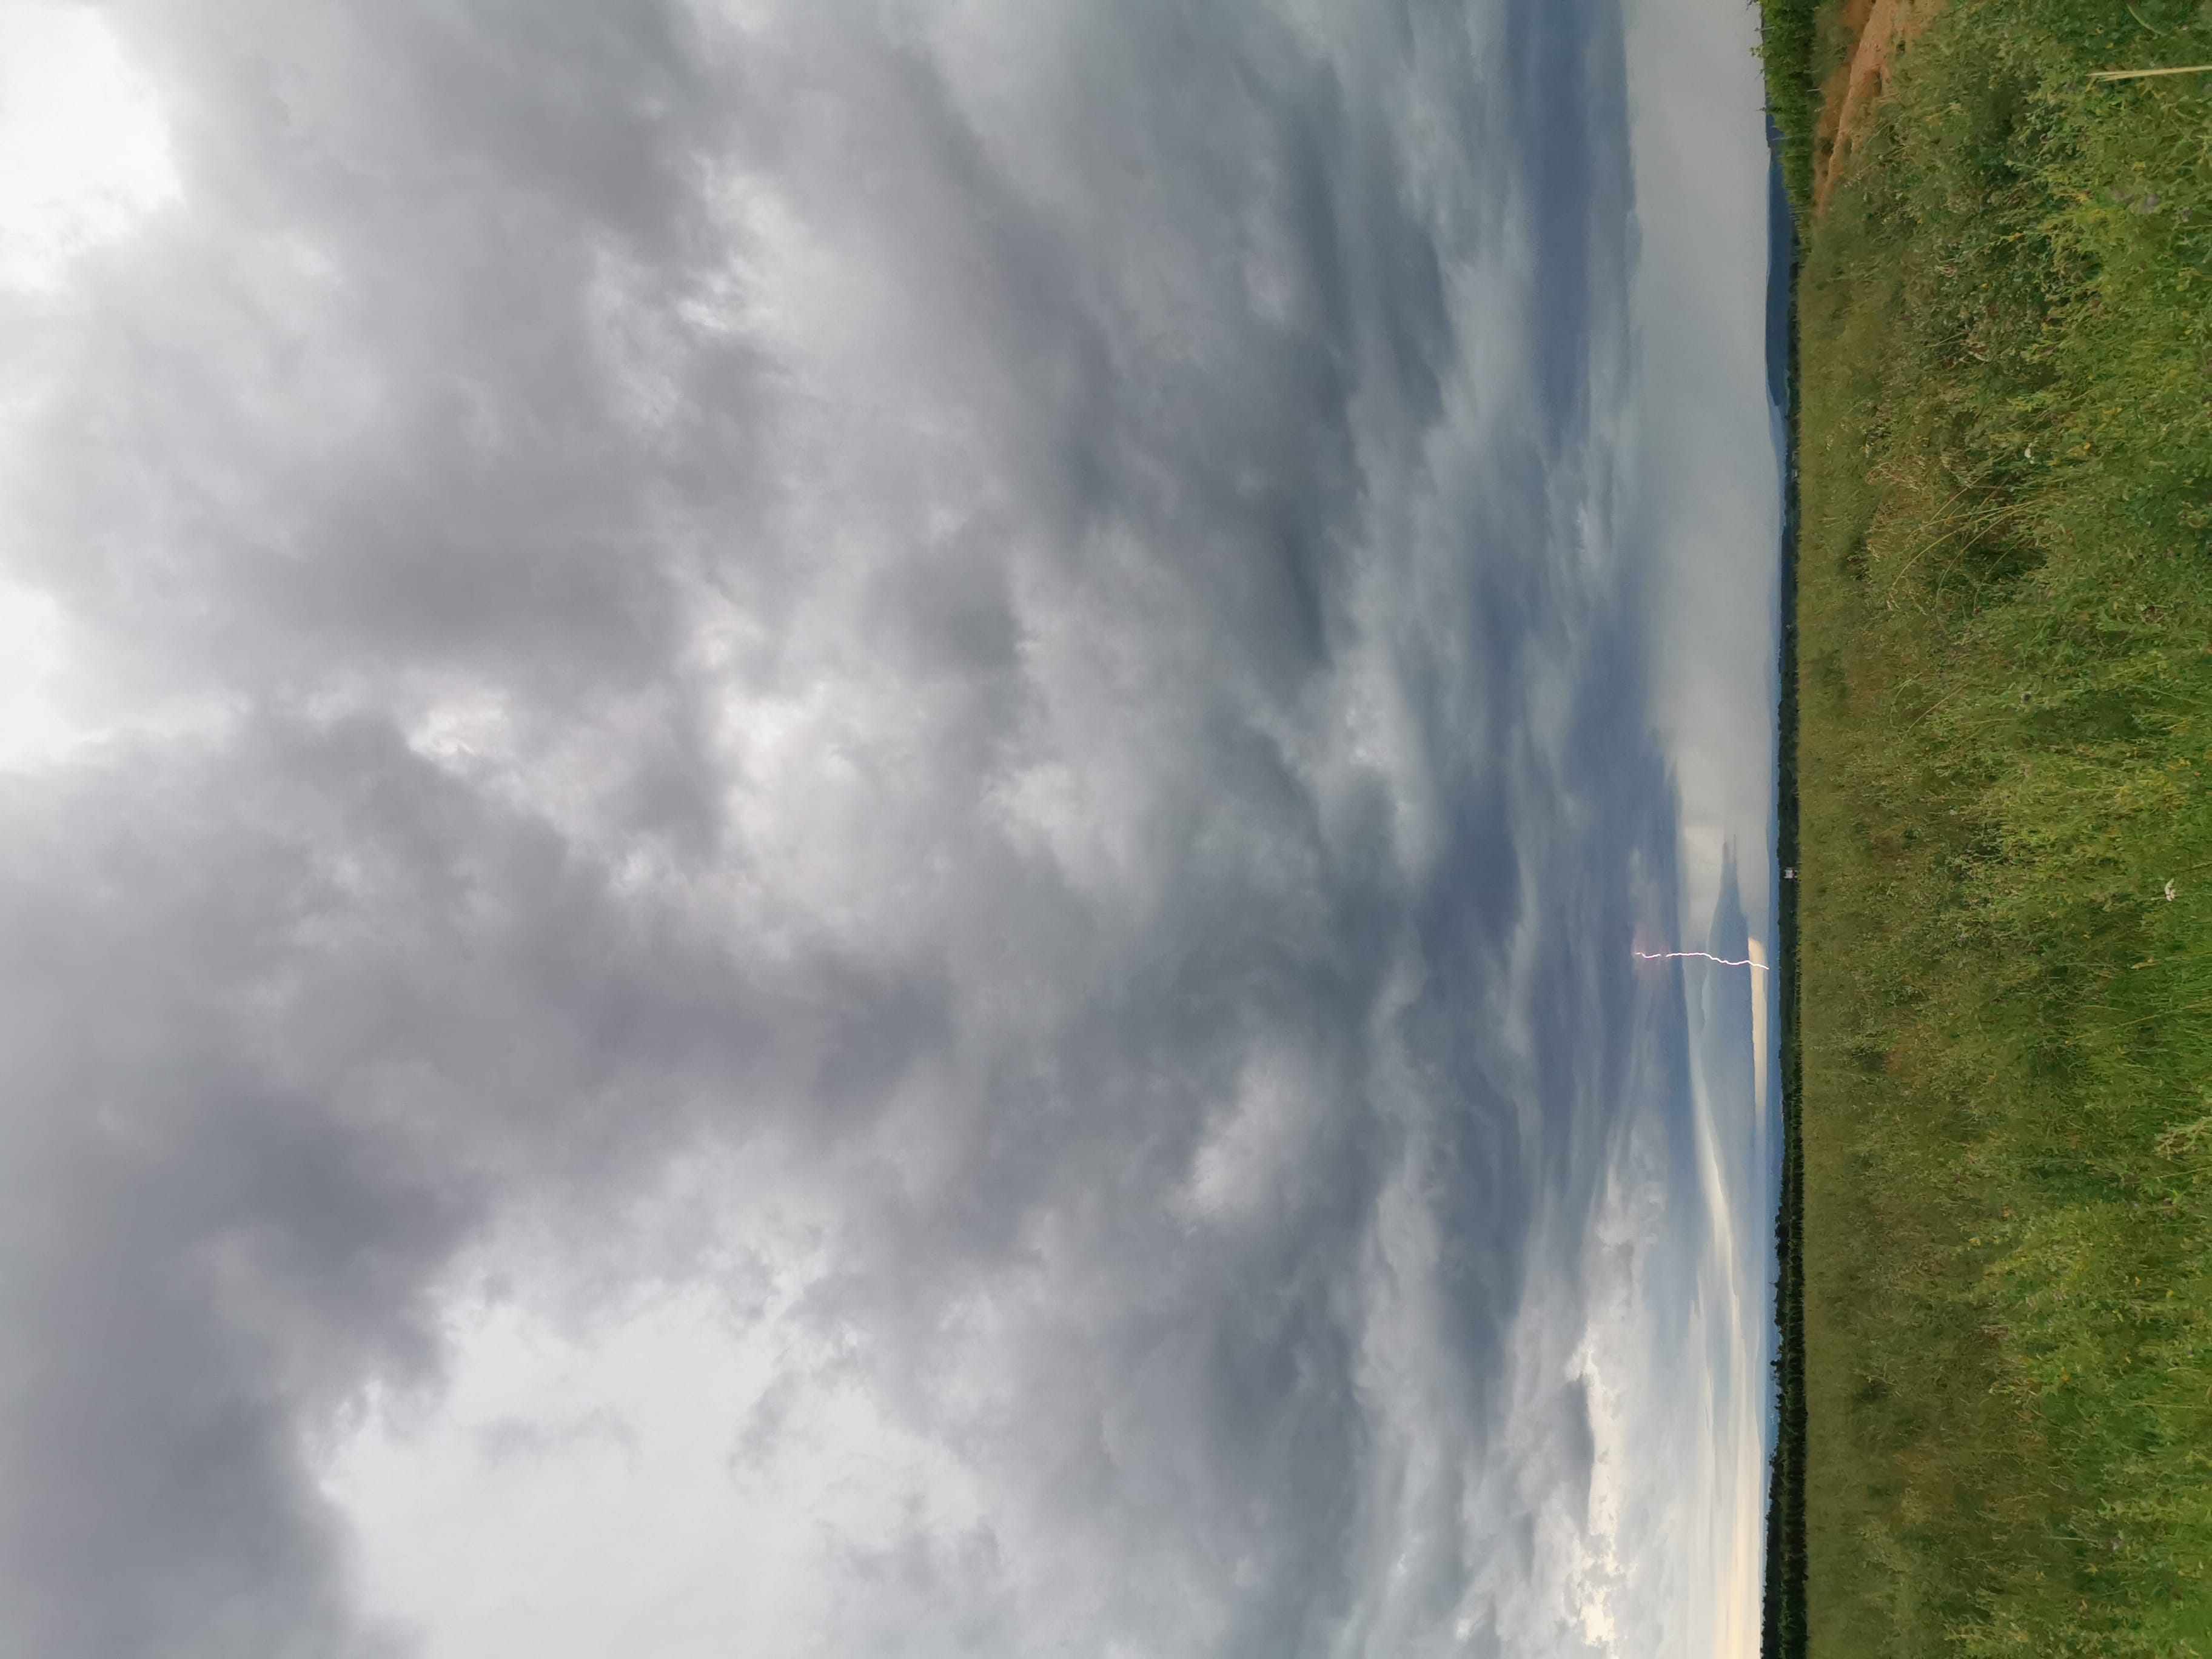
x=84, y=161
x=84, y=152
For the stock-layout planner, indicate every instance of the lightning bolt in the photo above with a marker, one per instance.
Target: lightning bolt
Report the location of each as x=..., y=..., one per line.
x=1704, y=956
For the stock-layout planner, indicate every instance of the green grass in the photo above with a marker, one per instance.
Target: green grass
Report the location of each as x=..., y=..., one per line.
x=1788, y=32
x=2004, y=692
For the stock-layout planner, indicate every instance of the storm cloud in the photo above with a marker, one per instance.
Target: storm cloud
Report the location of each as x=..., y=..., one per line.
x=965, y=686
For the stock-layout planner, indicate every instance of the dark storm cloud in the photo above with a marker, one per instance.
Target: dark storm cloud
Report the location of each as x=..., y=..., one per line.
x=1035, y=624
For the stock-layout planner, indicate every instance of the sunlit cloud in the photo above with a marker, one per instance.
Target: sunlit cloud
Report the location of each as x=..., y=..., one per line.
x=84, y=150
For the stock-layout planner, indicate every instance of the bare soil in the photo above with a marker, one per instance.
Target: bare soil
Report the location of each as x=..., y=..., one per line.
x=1880, y=27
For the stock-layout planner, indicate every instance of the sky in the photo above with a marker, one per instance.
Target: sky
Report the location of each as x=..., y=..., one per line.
x=824, y=827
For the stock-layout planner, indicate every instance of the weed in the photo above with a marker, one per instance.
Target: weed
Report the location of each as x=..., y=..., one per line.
x=2005, y=1022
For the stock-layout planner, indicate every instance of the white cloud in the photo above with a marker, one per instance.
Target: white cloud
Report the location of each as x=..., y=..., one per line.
x=32, y=727
x=637, y=1477
x=84, y=151
x=1007, y=640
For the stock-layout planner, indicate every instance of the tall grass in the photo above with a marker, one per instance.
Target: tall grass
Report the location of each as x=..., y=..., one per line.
x=2005, y=684
x=1788, y=31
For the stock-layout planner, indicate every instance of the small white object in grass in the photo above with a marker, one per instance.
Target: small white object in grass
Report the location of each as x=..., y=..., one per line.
x=2145, y=74
x=2169, y=892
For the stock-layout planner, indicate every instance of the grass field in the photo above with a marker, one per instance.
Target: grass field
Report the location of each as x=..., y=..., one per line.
x=2004, y=690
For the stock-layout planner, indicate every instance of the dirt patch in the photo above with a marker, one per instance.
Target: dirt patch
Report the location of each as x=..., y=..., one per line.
x=1881, y=26
x=1853, y=22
